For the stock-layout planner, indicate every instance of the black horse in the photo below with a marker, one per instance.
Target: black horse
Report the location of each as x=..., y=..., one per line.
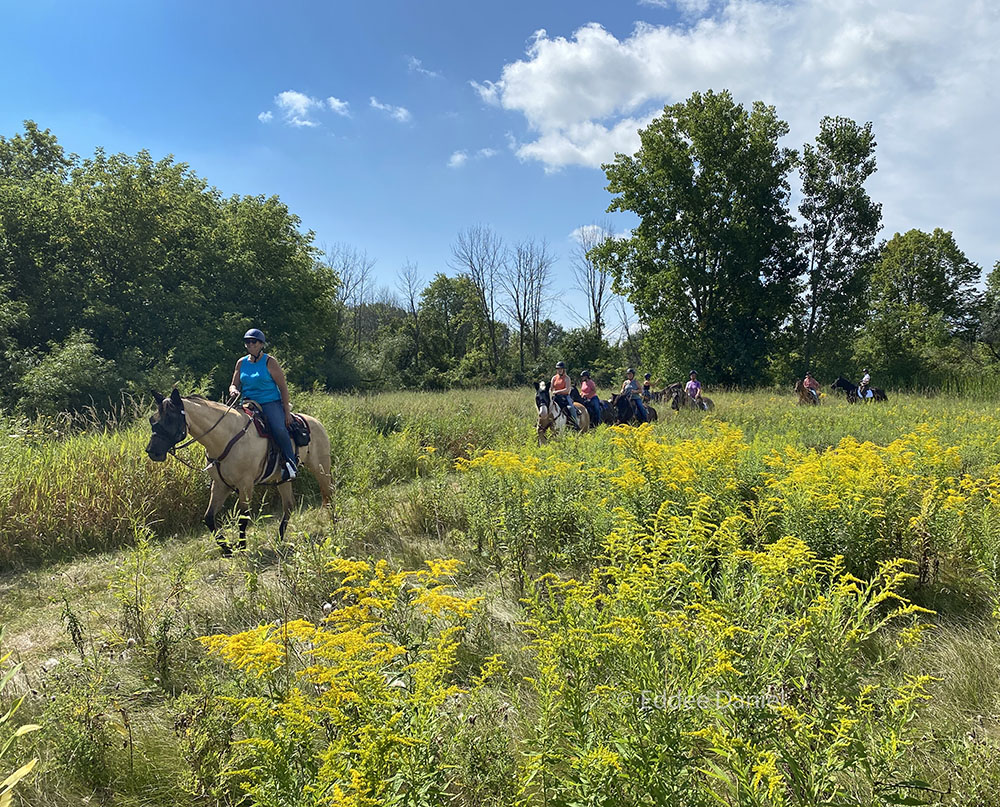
x=853, y=391
x=625, y=411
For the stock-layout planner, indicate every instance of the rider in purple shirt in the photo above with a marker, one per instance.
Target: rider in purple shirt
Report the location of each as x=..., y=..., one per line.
x=693, y=389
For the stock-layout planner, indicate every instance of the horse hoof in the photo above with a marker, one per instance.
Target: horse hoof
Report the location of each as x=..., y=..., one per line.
x=227, y=550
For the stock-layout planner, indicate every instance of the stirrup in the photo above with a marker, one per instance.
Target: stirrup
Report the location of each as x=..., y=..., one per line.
x=288, y=471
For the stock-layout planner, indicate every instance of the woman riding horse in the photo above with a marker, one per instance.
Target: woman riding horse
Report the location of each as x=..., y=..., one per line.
x=552, y=416
x=237, y=455
x=260, y=378
x=854, y=391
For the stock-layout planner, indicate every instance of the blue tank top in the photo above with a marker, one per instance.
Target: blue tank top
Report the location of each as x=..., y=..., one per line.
x=256, y=382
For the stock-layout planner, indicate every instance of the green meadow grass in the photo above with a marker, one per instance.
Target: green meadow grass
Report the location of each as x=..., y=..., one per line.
x=93, y=534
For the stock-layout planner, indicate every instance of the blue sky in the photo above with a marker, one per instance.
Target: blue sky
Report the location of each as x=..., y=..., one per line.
x=390, y=126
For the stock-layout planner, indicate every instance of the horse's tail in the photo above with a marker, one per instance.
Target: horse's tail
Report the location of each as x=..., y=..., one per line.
x=318, y=457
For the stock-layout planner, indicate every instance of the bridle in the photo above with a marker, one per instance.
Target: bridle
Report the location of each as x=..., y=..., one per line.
x=174, y=447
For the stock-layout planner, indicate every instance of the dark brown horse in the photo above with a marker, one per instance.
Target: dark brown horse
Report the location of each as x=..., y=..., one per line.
x=235, y=453
x=806, y=396
x=679, y=399
x=624, y=410
x=853, y=391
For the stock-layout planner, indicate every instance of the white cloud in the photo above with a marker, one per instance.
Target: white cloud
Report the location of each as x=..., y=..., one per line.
x=461, y=157
x=338, y=106
x=416, y=66
x=266, y=117
x=925, y=73
x=588, y=233
x=685, y=6
x=296, y=107
x=591, y=233
x=488, y=91
x=402, y=114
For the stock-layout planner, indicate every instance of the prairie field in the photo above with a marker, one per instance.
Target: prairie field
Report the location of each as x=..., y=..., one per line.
x=765, y=605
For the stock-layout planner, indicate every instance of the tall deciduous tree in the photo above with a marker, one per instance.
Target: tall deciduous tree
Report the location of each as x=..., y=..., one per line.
x=480, y=253
x=711, y=267
x=840, y=222
x=989, y=328
x=523, y=277
x=923, y=305
x=592, y=278
x=409, y=286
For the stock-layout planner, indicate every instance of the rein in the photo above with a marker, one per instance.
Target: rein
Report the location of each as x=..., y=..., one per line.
x=173, y=449
x=232, y=403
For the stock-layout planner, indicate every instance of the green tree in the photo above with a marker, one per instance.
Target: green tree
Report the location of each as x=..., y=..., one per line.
x=70, y=376
x=448, y=308
x=989, y=329
x=840, y=222
x=160, y=272
x=924, y=309
x=711, y=267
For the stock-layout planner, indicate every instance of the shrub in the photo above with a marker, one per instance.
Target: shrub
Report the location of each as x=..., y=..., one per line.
x=71, y=376
x=358, y=708
x=687, y=671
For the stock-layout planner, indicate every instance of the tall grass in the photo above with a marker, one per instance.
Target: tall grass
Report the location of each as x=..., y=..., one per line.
x=602, y=571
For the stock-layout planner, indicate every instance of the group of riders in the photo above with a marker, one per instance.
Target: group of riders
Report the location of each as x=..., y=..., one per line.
x=812, y=385
x=638, y=395
x=259, y=377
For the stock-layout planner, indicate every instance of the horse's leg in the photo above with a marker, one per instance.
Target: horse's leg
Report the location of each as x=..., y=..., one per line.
x=217, y=498
x=321, y=470
x=287, y=503
x=244, y=517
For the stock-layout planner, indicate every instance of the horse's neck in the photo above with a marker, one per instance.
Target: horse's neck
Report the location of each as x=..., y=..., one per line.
x=202, y=417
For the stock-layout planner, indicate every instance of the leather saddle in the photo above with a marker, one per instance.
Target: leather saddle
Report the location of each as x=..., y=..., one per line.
x=299, y=430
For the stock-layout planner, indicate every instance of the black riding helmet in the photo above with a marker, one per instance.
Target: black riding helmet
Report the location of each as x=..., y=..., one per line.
x=560, y=365
x=585, y=374
x=648, y=376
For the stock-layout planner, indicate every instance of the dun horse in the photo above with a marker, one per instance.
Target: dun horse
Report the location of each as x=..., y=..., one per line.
x=235, y=453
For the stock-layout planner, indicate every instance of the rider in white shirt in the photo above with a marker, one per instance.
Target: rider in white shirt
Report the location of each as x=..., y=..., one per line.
x=866, y=381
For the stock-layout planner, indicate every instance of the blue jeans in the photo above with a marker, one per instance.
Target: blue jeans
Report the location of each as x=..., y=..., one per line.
x=275, y=414
x=643, y=414
x=594, y=407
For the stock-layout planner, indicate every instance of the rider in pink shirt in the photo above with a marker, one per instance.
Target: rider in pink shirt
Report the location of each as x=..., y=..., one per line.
x=812, y=385
x=589, y=391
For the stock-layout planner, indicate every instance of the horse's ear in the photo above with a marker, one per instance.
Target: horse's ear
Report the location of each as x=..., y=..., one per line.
x=536, y=386
x=175, y=397
x=157, y=397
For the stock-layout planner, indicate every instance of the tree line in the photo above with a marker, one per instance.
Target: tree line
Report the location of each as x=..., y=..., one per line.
x=121, y=272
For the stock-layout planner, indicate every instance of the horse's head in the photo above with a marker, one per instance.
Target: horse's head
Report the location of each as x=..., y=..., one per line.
x=574, y=395
x=542, y=396
x=623, y=407
x=843, y=383
x=169, y=425
x=798, y=385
